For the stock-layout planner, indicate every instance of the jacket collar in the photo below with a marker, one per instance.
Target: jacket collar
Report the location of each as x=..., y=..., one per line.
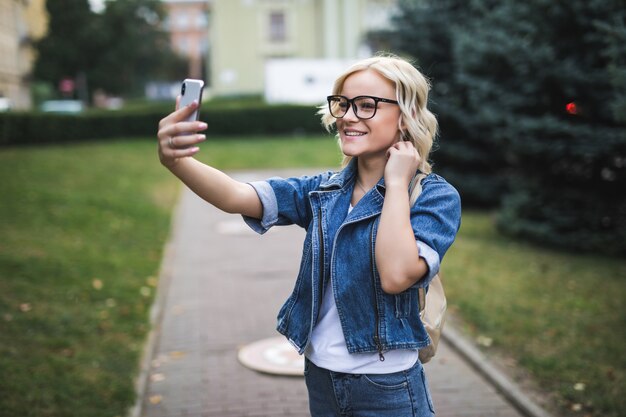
x=346, y=177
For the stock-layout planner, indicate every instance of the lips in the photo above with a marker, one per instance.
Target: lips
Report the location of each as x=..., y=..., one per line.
x=353, y=133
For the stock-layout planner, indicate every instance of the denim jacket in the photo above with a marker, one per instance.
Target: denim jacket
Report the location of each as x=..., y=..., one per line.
x=341, y=246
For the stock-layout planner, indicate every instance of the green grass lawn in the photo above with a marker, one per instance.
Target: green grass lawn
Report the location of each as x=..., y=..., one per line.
x=80, y=245
x=82, y=233
x=559, y=315
x=81, y=238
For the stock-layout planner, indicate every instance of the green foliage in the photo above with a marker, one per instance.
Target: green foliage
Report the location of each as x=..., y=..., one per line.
x=532, y=111
x=469, y=159
x=29, y=128
x=68, y=49
x=135, y=48
x=116, y=51
x=614, y=31
x=566, y=168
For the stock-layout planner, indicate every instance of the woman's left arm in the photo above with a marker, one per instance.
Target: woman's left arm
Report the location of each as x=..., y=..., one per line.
x=397, y=255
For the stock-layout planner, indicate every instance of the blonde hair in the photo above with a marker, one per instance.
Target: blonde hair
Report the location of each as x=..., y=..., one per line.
x=417, y=124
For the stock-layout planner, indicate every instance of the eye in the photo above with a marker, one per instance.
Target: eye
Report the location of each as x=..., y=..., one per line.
x=366, y=105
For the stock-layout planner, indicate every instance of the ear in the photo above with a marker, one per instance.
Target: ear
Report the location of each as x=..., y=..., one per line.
x=402, y=129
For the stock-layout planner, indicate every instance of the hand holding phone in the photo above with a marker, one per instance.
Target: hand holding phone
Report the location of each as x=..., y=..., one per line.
x=191, y=90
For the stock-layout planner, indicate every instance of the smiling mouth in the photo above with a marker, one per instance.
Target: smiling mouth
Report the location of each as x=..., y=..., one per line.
x=353, y=133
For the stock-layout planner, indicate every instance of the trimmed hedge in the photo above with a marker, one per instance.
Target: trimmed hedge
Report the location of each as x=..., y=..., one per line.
x=23, y=128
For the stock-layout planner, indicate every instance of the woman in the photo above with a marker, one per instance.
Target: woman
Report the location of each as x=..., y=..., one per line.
x=376, y=231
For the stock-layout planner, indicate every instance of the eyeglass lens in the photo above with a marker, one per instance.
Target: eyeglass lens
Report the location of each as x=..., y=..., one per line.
x=364, y=107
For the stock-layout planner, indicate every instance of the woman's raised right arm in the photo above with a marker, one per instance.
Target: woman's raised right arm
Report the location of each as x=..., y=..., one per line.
x=177, y=144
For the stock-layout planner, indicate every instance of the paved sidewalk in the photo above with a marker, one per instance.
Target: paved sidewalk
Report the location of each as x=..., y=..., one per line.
x=221, y=288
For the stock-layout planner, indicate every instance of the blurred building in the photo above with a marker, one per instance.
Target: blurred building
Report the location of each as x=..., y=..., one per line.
x=21, y=22
x=247, y=35
x=187, y=22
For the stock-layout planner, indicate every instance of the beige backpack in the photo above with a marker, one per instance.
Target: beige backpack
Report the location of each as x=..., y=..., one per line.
x=433, y=314
x=432, y=303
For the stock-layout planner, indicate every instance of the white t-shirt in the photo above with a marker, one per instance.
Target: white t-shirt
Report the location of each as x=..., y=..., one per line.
x=327, y=348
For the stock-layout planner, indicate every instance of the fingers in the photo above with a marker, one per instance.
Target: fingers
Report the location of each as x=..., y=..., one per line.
x=184, y=141
x=179, y=114
x=402, y=148
x=184, y=128
x=177, y=138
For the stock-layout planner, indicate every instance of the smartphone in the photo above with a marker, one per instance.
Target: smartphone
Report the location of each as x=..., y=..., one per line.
x=191, y=90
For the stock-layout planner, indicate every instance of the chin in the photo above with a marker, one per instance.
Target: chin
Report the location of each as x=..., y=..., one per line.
x=349, y=150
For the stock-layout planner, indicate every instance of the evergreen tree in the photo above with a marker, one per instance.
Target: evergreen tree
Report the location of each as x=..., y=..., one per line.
x=538, y=81
x=427, y=31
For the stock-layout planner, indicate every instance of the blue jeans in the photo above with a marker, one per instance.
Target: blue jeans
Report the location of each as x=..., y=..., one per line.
x=399, y=394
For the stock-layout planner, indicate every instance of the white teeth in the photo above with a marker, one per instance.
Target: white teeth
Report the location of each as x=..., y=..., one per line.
x=354, y=133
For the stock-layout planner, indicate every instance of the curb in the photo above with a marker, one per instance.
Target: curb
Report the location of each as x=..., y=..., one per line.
x=509, y=390
x=154, y=320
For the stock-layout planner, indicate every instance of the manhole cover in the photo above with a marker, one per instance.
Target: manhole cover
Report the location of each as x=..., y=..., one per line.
x=274, y=355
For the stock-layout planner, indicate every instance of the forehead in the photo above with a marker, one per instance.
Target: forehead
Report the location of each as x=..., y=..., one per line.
x=369, y=83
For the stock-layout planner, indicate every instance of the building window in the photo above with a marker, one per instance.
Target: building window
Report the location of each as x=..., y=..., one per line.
x=278, y=27
x=201, y=20
x=182, y=20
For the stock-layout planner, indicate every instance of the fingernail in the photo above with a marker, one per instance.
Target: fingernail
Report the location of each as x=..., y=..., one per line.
x=195, y=149
x=201, y=137
x=202, y=125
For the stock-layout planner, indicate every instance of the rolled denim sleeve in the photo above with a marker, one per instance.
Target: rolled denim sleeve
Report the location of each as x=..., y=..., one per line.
x=436, y=219
x=285, y=201
x=431, y=257
x=270, y=208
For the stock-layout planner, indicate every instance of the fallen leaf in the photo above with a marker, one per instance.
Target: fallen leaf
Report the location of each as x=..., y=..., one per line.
x=25, y=307
x=97, y=284
x=145, y=291
x=67, y=352
x=484, y=341
x=156, y=399
x=152, y=281
x=177, y=354
x=157, y=377
x=579, y=386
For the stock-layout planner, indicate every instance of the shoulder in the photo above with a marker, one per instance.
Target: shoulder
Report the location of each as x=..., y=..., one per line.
x=436, y=184
x=302, y=183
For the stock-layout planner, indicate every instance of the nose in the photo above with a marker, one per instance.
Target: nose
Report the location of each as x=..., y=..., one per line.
x=351, y=113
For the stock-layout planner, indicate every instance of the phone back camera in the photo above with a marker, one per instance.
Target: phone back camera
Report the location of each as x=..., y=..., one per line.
x=182, y=89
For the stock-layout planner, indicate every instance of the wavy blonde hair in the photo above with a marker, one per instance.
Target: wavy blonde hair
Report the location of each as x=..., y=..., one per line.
x=417, y=124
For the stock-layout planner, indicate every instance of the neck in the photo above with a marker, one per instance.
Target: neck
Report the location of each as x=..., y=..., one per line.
x=370, y=171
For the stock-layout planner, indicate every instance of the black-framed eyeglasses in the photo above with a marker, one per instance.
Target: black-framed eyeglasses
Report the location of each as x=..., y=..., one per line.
x=364, y=107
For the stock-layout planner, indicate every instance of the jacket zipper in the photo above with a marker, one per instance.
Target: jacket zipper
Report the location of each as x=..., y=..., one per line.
x=379, y=346
x=321, y=278
x=322, y=271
